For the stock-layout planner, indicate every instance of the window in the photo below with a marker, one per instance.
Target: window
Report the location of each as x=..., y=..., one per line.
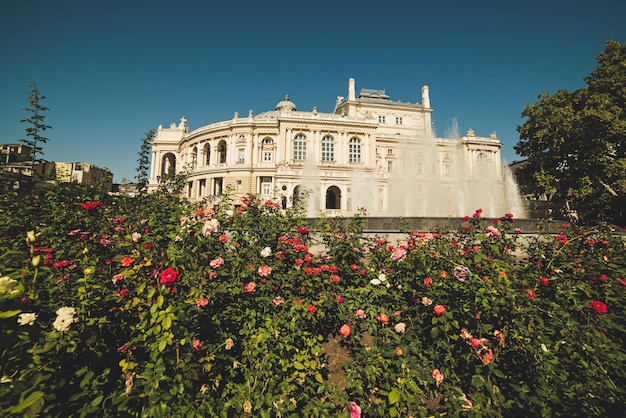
x=241, y=155
x=267, y=146
x=266, y=185
x=328, y=148
x=221, y=151
x=194, y=157
x=381, y=119
x=202, y=187
x=207, y=154
x=78, y=167
x=238, y=185
x=218, y=186
x=389, y=165
x=389, y=151
x=299, y=147
x=398, y=121
x=354, y=150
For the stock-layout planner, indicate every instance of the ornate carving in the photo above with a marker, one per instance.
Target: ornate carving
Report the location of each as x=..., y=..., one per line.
x=470, y=132
x=241, y=139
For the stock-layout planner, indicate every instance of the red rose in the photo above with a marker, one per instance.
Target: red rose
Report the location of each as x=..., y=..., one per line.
x=127, y=261
x=544, y=281
x=598, y=306
x=249, y=287
x=345, y=330
x=311, y=309
x=384, y=318
x=439, y=310
x=91, y=206
x=303, y=230
x=428, y=281
x=168, y=276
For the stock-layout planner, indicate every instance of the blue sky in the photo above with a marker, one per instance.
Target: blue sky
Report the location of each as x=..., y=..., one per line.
x=112, y=70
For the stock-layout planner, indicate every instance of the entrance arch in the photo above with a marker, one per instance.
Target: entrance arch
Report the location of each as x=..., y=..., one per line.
x=333, y=198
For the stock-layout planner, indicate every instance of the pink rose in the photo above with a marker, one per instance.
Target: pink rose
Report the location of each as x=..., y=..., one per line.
x=218, y=262
x=355, y=410
x=265, y=271
x=438, y=376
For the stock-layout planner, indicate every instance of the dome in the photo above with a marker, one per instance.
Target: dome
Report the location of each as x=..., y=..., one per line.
x=286, y=104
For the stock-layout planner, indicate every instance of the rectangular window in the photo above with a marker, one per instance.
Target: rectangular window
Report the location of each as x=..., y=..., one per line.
x=202, y=188
x=238, y=185
x=242, y=155
x=389, y=165
x=398, y=121
x=328, y=149
x=267, y=156
x=299, y=148
x=266, y=186
x=381, y=119
x=389, y=151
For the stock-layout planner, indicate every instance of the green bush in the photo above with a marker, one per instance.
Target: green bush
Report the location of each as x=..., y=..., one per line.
x=152, y=306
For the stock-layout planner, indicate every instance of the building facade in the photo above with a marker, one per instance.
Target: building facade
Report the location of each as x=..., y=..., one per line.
x=370, y=152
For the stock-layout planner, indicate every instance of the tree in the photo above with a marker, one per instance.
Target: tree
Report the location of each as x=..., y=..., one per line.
x=574, y=142
x=143, y=169
x=35, y=126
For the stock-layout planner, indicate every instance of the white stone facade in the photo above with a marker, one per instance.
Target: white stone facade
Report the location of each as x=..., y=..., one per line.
x=355, y=157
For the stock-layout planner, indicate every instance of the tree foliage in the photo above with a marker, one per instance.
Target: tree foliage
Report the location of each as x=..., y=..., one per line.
x=35, y=124
x=574, y=142
x=143, y=168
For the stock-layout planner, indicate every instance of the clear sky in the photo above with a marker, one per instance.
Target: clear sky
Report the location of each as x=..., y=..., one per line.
x=111, y=70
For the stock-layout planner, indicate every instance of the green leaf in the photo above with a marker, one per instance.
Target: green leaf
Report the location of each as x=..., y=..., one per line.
x=31, y=399
x=298, y=365
x=8, y=314
x=97, y=400
x=394, y=396
x=434, y=332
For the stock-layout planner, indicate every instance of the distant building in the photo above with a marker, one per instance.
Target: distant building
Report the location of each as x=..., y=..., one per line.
x=370, y=152
x=16, y=163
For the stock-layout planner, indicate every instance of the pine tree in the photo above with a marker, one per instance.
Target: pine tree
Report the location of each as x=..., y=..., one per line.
x=35, y=126
x=144, y=161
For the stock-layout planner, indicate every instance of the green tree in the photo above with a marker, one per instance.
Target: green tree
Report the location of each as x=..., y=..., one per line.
x=143, y=169
x=35, y=125
x=574, y=142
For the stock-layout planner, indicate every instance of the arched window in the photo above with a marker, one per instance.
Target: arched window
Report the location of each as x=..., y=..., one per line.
x=168, y=165
x=221, y=151
x=328, y=148
x=333, y=198
x=354, y=150
x=299, y=147
x=296, y=195
x=194, y=157
x=207, y=154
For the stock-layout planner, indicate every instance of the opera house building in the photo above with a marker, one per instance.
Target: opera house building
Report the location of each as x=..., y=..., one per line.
x=370, y=152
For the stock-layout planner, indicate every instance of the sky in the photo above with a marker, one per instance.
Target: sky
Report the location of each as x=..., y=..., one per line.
x=112, y=70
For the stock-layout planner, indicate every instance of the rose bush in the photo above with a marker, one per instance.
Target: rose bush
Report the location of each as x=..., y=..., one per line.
x=151, y=306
